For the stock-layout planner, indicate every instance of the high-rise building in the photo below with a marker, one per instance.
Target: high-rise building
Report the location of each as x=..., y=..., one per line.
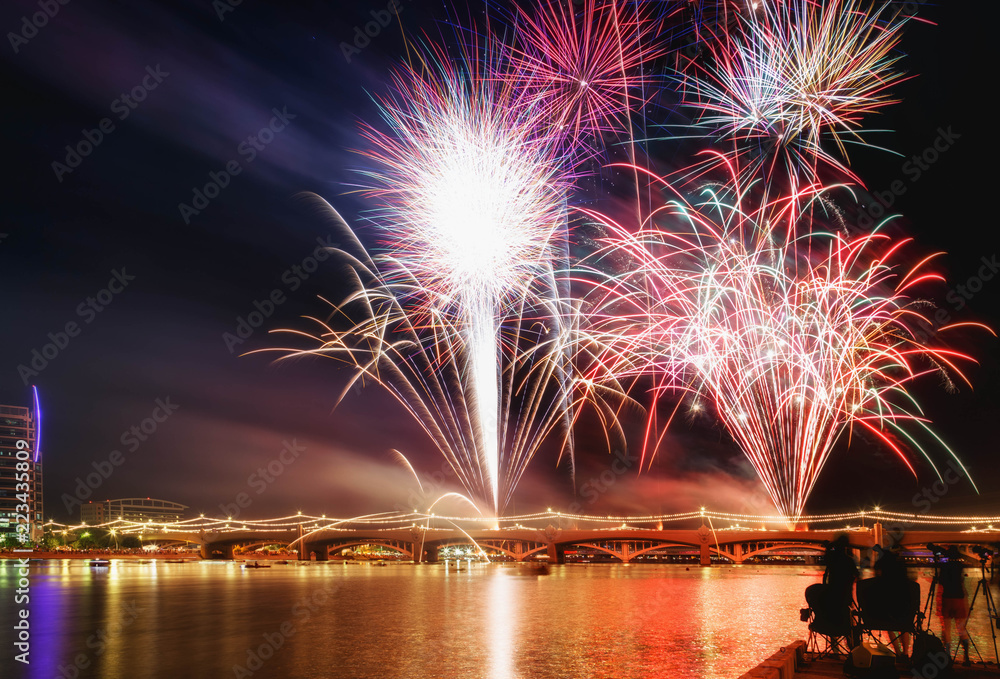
x=131, y=509
x=20, y=472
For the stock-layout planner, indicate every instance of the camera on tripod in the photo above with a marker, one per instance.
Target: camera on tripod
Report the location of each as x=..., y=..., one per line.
x=937, y=551
x=983, y=553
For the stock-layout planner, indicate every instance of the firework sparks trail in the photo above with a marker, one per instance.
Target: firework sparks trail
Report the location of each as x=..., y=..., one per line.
x=421, y=359
x=793, y=73
x=794, y=340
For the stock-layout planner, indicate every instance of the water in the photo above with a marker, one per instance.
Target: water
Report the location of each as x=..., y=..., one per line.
x=214, y=619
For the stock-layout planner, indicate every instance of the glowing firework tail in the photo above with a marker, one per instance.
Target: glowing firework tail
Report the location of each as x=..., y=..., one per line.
x=794, y=340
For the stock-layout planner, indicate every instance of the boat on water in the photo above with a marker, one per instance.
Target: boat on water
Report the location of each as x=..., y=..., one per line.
x=175, y=561
x=256, y=565
x=99, y=563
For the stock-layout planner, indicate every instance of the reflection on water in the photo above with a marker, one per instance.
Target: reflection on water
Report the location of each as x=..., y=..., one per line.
x=214, y=619
x=503, y=618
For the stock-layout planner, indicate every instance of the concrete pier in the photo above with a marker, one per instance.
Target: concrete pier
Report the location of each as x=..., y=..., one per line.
x=792, y=662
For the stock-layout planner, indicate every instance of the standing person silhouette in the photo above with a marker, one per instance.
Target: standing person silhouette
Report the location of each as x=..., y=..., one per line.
x=953, y=603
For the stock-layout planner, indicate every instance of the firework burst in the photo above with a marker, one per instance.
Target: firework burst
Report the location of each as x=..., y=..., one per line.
x=795, y=73
x=471, y=202
x=793, y=340
x=460, y=315
x=472, y=206
x=583, y=67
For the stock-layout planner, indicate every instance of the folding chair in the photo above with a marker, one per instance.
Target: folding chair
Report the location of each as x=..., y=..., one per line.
x=830, y=622
x=890, y=607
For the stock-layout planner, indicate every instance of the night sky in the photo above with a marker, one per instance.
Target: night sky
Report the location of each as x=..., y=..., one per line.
x=208, y=83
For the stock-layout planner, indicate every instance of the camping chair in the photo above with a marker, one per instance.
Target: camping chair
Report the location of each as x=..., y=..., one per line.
x=830, y=622
x=890, y=607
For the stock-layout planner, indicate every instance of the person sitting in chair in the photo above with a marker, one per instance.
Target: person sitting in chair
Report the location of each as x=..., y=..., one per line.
x=897, y=598
x=841, y=571
x=840, y=574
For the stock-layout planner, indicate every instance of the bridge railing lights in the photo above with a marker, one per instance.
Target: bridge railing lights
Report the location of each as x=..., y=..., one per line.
x=396, y=520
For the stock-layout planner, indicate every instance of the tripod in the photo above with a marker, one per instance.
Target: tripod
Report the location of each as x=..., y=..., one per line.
x=924, y=617
x=991, y=608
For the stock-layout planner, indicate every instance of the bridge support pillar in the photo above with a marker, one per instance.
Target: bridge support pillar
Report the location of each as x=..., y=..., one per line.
x=303, y=554
x=738, y=553
x=706, y=555
x=557, y=554
x=518, y=549
x=879, y=536
x=704, y=538
x=307, y=548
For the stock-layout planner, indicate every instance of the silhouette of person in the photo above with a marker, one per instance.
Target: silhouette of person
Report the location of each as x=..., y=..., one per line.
x=841, y=571
x=896, y=596
x=953, y=603
x=840, y=574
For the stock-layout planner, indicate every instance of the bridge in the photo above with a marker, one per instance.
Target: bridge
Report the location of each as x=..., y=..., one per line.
x=421, y=544
x=551, y=535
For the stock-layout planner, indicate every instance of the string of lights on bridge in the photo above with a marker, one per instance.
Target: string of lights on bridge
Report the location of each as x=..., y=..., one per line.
x=397, y=520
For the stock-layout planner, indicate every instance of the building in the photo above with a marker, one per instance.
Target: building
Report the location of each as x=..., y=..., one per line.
x=20, y=472
x=131, y=509
x=92, y=513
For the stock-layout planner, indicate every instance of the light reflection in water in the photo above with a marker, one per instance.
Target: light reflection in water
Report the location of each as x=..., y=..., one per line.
x=498, y=621
x=502, y=612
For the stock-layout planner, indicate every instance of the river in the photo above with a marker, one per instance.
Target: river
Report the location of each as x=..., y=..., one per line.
x=496, y=621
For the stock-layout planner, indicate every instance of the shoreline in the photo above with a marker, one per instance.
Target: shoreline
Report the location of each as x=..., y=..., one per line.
x=56, y=556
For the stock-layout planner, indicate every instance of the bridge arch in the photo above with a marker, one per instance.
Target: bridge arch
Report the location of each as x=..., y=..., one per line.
x=652, y=548
x=818, y=548
x=167, y=542
x=260, y=543
x=626, y=556
x=335, y=547
x=617, y=555
x=482, y=544
x=532, y=552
